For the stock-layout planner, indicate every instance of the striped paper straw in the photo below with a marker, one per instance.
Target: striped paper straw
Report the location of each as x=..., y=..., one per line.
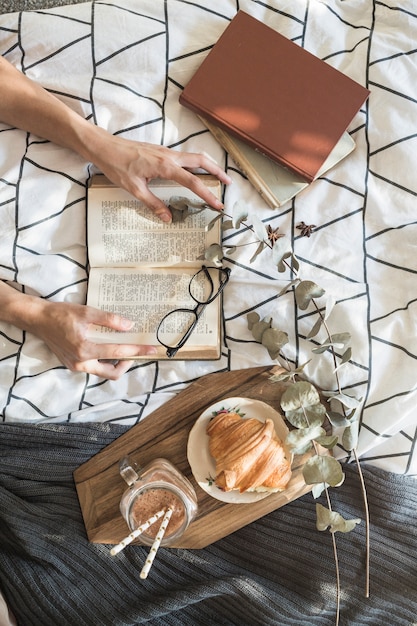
x=156, y=544
x=138, y=531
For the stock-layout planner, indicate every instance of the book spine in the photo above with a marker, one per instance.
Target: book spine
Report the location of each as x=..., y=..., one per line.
x=185, y=101
x=243, y=164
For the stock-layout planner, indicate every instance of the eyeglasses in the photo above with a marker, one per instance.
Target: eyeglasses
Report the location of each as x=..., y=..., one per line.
x=175, y=327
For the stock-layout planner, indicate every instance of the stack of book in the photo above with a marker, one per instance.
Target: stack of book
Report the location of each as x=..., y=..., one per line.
x=278, y=110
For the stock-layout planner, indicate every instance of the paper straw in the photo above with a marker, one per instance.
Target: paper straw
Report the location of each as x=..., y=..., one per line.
x=138, y=531
x=155, y=545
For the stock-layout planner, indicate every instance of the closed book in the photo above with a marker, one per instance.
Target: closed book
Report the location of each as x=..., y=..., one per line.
x=274, y=183
x=274, y=95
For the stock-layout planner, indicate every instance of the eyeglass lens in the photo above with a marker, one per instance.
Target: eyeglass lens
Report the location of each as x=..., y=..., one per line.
x=176, y=327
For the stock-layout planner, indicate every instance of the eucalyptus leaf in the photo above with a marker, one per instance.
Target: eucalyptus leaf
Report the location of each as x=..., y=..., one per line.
x=179, y=203
x=322, y=348
x=239, y=214
x=346, y=356
x=350, y=436
x=300, y=394
x=282, y=377
x=274, y=339
x=301, y=405
x=259, y=328
x=227, y=224
x=318, y=489
x=213, y=222
x=258, y=250
x=294, y=263
x=333, y=520
x=288, y=374
x=259, y=228
x=252, y=319
x=338, y=420
x=288, y=287
x=181, y=207
x=313, y=332
x=327, y=441
x=305, y=292
x=300, y=440
x=300, y=368
x=214, y=253
x=338, y=341
x=341, y=338
x=281, y=251
x=330, y=304
x=303, y=417
x=323, y=469
x=346, y=400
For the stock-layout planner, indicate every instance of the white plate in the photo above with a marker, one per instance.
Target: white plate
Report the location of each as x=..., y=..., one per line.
x=202, y=463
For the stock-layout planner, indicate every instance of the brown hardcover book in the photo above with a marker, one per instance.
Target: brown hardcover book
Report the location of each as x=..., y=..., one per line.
x=274, y=95
x=274, y=183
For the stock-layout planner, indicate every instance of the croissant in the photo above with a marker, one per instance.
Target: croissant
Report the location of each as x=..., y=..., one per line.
x=249, y=456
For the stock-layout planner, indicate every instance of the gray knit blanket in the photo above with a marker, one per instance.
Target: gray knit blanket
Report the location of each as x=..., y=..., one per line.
x=279, y=570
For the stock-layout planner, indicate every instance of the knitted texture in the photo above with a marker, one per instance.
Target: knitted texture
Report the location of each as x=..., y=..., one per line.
x=10, y=6
x=278, y=570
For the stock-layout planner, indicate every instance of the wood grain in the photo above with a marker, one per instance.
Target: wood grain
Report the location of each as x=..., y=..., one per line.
x=164, y=433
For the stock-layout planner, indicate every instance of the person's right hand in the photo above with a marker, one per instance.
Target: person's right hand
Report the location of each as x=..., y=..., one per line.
x=132, y=164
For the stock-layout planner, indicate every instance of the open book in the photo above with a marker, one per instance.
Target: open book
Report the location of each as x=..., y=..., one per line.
x=141, y=268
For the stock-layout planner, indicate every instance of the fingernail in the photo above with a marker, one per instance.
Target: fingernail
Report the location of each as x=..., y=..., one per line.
x=126, y=324
x=151, y=350
x=165, y=217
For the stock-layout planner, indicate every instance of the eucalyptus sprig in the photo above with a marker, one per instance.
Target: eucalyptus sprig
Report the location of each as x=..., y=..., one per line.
x=301, y=402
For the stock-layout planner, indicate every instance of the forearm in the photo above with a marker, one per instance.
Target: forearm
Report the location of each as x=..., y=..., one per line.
x=27, y=105
x=128, y=164
x=18, y=308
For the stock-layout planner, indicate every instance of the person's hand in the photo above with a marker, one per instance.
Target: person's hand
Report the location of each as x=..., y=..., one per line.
x=131, y=165
x=127, y=163
x=63, y=327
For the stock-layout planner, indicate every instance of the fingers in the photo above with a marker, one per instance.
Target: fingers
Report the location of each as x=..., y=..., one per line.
x=111, y=360
x=170, y=164
x=193, y=160
x=106, y=360
x=155, y=204
x=111, y=371
x=185, y=178
x=118, y=352
x=198, y=187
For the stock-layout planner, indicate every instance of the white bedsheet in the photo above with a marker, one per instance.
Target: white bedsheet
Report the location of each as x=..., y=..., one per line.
x=123, y=64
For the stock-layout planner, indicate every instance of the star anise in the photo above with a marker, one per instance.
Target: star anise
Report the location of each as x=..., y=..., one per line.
x=273, y=234
x=306, y=229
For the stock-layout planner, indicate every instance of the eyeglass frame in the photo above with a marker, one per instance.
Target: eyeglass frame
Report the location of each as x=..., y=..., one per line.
x=198, y=309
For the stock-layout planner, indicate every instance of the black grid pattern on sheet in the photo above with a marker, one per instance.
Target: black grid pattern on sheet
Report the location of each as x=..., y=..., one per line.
x=354, y=249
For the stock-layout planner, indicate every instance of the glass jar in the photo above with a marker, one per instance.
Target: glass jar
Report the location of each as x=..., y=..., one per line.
x=155, y=487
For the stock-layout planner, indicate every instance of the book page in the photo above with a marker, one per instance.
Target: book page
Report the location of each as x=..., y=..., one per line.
x=146, y=297
x=122, y=232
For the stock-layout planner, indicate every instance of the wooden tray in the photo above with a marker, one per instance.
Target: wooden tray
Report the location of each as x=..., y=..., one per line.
x=164, y=433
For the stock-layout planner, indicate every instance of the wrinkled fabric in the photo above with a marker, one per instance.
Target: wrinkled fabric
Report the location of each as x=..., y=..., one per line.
x=278, y=570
